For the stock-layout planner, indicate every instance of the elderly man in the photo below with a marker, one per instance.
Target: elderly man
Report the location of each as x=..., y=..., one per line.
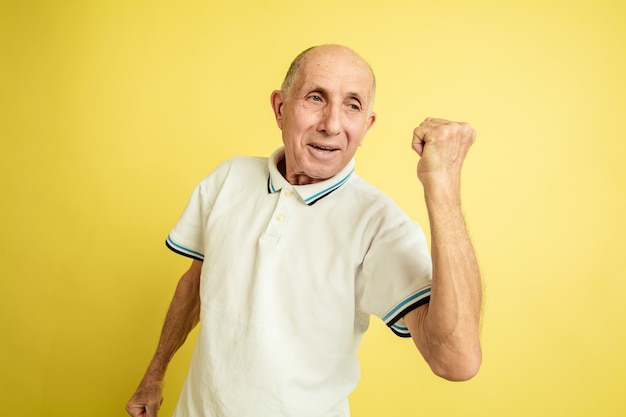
x=293, y=254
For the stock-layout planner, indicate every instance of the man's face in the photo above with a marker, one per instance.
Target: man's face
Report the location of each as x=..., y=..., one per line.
x=325, y=114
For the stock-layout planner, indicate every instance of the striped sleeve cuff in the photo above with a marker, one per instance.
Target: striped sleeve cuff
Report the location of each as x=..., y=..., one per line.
x=393, y=319
x=181, y=250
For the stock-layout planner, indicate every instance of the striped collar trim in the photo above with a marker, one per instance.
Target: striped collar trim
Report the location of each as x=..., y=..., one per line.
x=311, y=193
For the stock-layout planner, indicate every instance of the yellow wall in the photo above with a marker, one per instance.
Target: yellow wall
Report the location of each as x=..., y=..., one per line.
x=111, y=111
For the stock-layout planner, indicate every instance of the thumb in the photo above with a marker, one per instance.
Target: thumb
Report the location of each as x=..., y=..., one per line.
x=418, y=142
x=421, y=135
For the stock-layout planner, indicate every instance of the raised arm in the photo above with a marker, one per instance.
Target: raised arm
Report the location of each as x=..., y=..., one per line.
x=446, y=329
x=182, y=316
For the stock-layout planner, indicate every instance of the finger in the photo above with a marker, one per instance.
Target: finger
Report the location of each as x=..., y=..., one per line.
x=417, y=143
x=427, y=126
x=136, y=411
x=421, y=136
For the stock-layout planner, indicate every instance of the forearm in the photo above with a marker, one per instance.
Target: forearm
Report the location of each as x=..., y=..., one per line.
x=451, y=323
x=446, y=329
x=182, y=316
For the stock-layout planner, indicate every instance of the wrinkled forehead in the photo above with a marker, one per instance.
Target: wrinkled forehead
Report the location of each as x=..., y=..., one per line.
x=336, y=70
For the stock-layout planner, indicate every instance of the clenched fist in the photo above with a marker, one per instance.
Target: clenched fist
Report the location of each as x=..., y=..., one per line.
x=442, y=146
x=147, y=399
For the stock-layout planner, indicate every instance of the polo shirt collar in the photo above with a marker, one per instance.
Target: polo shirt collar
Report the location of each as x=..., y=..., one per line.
x=310, y=193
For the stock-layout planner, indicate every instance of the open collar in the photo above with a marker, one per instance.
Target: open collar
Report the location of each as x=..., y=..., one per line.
x=310, y=193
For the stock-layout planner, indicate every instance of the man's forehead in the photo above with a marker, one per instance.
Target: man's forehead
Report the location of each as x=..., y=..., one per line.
x=336, y=71
x=332, y=59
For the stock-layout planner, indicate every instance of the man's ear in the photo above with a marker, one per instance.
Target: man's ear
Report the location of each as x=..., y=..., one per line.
x=277, y=105
x=370, y=121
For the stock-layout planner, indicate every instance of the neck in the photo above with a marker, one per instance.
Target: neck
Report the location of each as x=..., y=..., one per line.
x=295, y=178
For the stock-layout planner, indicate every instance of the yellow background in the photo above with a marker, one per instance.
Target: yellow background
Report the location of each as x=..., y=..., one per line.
x=111, y=111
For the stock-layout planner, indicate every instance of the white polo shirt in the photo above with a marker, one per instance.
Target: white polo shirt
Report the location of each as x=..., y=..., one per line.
x=290, y=277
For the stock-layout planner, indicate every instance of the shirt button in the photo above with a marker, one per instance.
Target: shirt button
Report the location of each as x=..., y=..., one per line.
x=280, y=218
x=289, y=193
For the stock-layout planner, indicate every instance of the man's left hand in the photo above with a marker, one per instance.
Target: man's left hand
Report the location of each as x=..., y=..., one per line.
x=442, y=146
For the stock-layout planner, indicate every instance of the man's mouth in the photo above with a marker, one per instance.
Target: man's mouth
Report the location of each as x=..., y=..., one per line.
x=324, y=148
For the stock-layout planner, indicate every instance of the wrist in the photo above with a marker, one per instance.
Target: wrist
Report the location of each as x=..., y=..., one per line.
x=440, y=194
x=156, y=370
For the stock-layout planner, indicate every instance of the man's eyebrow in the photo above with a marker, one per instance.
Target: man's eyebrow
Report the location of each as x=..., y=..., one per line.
x=315, y=87
x=356, y=95
x=351, y=94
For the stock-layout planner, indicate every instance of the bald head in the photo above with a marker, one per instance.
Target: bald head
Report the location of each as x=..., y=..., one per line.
x=324, y=111
x=294, y=69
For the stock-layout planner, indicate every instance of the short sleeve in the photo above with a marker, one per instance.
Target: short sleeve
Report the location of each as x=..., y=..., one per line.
x=186, y=238
x=396, y=274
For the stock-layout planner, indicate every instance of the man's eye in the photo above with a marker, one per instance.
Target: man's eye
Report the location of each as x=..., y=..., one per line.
x=354, y=107
x=315, y=98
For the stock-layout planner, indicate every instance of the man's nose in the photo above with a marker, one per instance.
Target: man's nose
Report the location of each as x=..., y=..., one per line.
x=331, y=120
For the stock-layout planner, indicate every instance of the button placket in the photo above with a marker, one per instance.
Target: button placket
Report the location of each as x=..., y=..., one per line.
x=281, y=212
